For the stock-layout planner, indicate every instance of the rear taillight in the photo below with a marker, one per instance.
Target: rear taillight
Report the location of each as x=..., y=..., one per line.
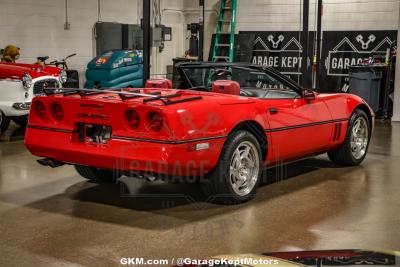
x=133, y=119
x=57, y=111
x=156, y=122
x=39, y=109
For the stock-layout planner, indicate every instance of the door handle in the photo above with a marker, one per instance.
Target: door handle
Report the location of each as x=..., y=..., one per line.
x=273, y=110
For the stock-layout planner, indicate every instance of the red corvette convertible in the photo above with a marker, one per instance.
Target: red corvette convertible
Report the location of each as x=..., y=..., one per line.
x=227, y=123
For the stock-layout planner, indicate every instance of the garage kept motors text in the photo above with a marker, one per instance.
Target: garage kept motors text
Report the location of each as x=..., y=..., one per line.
x=281, y=50
x=342, y=49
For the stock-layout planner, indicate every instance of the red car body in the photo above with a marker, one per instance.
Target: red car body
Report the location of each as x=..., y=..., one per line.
x=248, y=117
x=301, y=128
x=18, y=70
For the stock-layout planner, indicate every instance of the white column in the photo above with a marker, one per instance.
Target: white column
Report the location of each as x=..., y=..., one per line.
x=396, y=103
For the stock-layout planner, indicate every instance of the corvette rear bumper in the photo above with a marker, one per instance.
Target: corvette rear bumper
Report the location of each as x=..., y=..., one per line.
x=126, y=155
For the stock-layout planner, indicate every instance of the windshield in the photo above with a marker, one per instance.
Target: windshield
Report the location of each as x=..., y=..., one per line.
x=253, y=82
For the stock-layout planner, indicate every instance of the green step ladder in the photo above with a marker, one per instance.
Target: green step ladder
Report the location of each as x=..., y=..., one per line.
x=227, y=6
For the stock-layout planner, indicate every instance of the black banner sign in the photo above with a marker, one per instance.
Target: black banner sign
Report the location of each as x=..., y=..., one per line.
x=282, y=51
x=342, y=49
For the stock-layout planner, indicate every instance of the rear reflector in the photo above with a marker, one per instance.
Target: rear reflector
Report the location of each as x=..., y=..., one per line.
x=198, y=147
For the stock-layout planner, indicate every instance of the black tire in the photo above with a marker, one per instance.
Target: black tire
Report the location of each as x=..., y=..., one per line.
x=96, y=174
x=218, y=184
x=344, y=155
x=4, y=122
x=21, y=121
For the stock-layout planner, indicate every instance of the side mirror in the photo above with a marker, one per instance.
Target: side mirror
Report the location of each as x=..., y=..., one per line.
x=309, y=94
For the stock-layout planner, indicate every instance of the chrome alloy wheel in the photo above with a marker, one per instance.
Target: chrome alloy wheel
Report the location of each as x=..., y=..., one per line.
x=244, y=168
x=359, y=138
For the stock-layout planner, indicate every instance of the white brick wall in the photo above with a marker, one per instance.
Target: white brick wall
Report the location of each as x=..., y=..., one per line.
x=361, y=15
x=285, y=15
x=337, y=15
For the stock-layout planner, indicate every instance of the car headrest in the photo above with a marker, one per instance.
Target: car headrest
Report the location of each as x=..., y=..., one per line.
x=226, y=87
x=159, y=83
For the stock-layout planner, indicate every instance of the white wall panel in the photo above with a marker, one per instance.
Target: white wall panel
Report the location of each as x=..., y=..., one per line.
x=37, y=27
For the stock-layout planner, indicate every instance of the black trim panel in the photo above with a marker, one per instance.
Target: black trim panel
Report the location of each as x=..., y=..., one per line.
x=168, y=142
x=126, y=138
x=304, y=125
x=50, y=129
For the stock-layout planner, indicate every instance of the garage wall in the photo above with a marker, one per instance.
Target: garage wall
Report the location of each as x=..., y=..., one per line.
x=37, y=27
x=396, y=100
x=285, y=15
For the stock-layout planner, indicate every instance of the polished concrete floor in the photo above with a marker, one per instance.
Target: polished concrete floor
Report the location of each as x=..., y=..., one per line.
x=53, y=217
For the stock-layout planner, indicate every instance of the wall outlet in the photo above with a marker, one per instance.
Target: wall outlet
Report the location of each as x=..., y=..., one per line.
x=67, y=26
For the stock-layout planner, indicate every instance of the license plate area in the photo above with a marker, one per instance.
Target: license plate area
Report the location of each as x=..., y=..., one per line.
x=94, y=133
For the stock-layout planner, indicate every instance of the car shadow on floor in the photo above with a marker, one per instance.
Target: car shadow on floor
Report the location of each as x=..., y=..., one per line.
x=131, y=193
x=182, y=202
x=160, y=205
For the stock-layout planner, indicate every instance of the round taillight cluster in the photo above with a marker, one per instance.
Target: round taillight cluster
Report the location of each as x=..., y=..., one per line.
x=156, y=121
x=133, y=119
x=57, y=111
x=39, y=109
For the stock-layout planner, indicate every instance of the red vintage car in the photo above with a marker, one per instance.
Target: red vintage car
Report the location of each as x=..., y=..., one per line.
x=227, y=124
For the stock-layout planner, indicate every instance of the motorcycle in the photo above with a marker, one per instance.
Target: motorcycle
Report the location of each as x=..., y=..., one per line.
x=72, y=75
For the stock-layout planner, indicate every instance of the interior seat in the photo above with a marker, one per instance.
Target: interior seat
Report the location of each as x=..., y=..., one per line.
x=159, y=83
x=226, y=87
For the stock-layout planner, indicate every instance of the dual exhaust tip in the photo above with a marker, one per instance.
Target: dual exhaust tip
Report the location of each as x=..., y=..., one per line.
x=48, y=162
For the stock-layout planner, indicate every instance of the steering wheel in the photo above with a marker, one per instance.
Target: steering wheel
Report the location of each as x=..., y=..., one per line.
x=222, y=72
x=245, y=93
